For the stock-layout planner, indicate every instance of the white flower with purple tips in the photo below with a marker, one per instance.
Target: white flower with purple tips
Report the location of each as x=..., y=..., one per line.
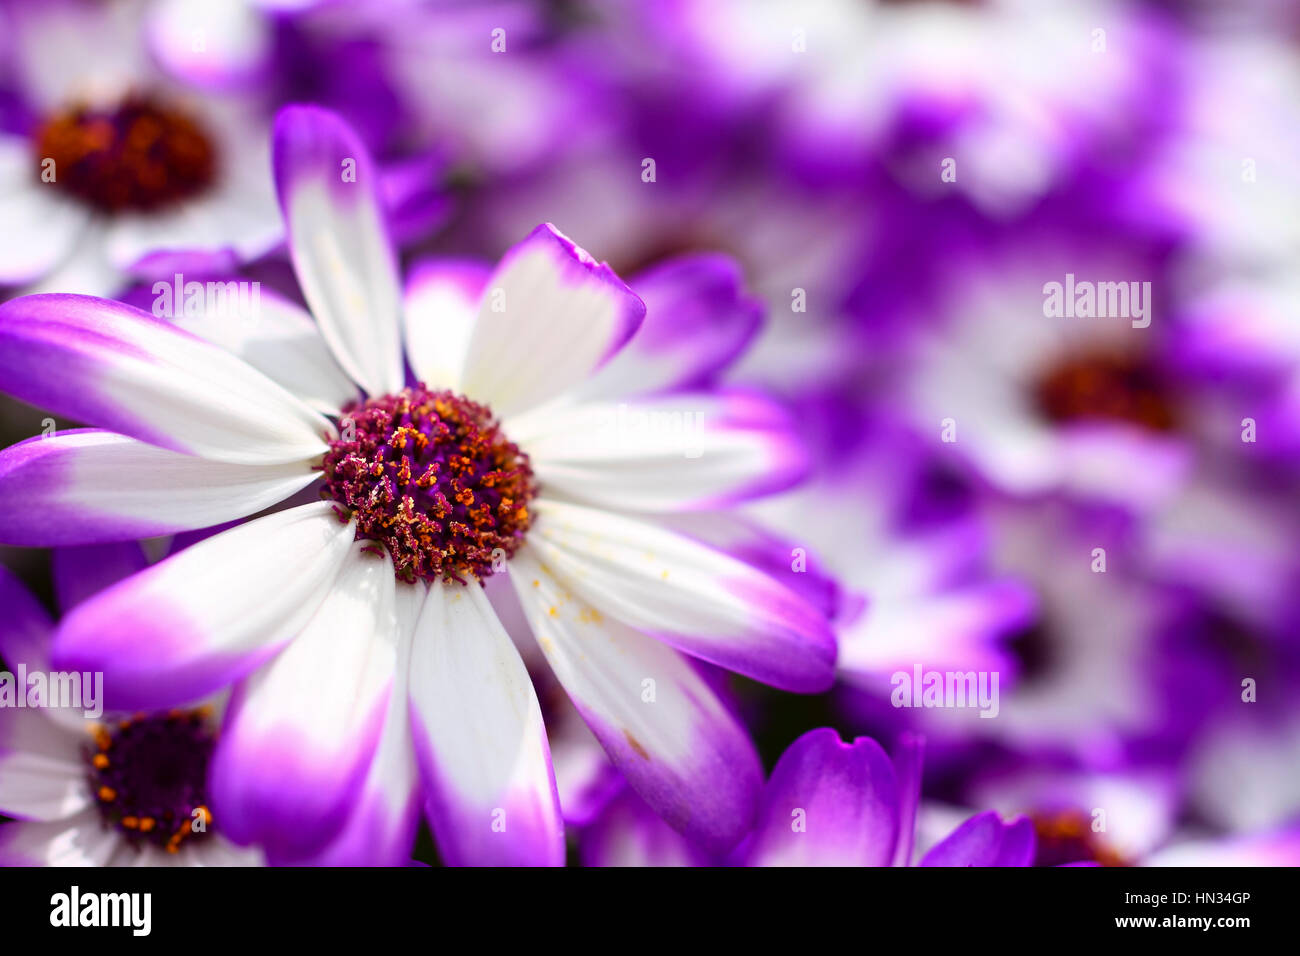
x=372, y=671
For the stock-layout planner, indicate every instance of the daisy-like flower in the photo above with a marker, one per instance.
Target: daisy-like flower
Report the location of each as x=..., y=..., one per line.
x=111, y=169
x=1086, y=679
x=118, y=790
x=1127, y=815
x=356, y=626
x=1036, y=402
x=827, y=803
x=1082, y=816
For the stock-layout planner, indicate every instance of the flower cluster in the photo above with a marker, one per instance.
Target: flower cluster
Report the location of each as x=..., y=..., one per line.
x=707, y=432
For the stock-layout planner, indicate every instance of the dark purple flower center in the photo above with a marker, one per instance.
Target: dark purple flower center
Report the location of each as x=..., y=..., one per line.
x=137, y=157
x=149, y=777
x=431, y=476
x=1066, y=836
x=1106, y=387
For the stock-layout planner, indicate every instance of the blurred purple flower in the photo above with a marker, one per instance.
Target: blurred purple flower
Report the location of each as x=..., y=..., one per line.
x=110, y=790
x=107, y=165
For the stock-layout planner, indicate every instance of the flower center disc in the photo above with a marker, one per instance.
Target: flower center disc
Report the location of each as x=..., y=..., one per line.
x=431, y=476
x=1066, y=836
x=149, y=777
x=138, y=157
x=1105, y=387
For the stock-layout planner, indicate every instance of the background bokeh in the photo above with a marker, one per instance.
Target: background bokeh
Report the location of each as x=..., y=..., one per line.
x=897, y=182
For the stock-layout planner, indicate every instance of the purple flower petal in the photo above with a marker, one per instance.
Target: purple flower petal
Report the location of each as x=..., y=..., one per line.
x=118, y=368
x=205, y=617
x=984, y=840
x=301, y=732
x=86, y=486
x=828, y=803
x=698, y=320
x=82, y=572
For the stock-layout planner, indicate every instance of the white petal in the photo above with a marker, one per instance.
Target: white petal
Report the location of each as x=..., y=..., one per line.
x=142, y=377
x=86, y=269
x=383, y=817
x=42, y=771
x=40, y=226
x=79, y=841
x=480, y=738
x=441, y=303
x=276, y=337
x=698, y=599
x=237, y=40
x=652, y=712
x=679, y=452
x=300, y=732
x=550, y=316
x=87, y=486
x=210, y=614
x=344, y=258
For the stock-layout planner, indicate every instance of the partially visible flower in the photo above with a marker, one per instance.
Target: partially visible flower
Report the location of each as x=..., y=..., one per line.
x=1133, y=813
x=1229, y=537
x=1038, y=400
x=355, y=627
x=119, y=790
x=827, y=803
x=113, y=168
x=1241, y=774
x=1089, y=670
x=1081, y=815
